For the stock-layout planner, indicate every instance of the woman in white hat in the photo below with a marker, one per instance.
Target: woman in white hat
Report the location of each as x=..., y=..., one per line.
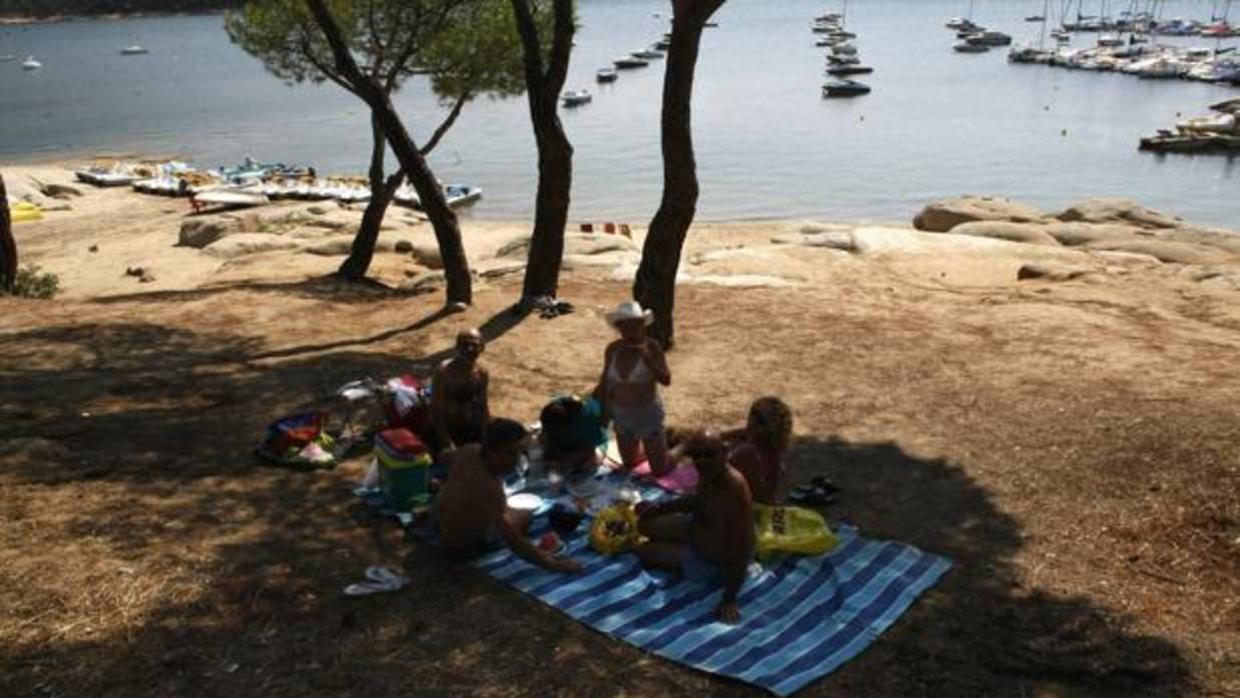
x=633, y=368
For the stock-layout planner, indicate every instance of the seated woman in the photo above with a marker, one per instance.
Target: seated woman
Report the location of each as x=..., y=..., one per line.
x=634, y=367
x=759, y=453
x=572, y=431
x=459, y=406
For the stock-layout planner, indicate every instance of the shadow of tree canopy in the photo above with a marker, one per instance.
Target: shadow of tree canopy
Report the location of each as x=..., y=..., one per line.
x=217, y=577
x=980, y=631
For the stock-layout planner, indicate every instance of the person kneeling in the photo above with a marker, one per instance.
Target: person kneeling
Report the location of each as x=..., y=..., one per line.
x=708, y=536
x=572, y=431
x=471, y=513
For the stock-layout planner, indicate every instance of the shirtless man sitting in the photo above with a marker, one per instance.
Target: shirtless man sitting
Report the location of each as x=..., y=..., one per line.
x=471, y=513
x=706, y=537
x=459, y=404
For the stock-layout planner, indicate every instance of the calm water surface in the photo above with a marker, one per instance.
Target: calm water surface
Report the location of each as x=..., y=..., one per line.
x=769, y=146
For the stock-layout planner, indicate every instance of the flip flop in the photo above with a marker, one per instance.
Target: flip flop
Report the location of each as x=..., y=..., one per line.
x=381, y=580
x=825, y=484
x=385, y=575
x=811, y=496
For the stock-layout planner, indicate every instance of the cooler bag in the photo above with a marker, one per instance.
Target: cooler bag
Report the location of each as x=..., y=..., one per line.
x=404, y=469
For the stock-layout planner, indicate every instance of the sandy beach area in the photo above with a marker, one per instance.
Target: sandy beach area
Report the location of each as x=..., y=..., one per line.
x=1052, y=403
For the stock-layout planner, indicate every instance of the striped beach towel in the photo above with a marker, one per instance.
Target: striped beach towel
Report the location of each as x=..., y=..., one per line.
x=801, y=617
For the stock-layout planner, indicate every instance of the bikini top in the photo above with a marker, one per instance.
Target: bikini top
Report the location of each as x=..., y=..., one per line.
x=638, y=374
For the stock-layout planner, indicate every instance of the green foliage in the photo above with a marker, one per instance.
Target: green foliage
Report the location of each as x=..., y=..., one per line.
x=482, y=53
x=32, y=283
x=469, y=47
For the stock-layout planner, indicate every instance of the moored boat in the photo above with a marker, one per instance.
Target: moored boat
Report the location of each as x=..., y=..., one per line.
x=966, y=47
x=606, y=75
x=31, y=64
x=576, y=98
x=844, y=88
x=844, y=70
x=134, y=50
x=628, y=62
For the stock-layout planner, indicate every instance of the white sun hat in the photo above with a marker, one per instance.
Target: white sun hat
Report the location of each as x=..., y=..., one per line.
x=630, y=310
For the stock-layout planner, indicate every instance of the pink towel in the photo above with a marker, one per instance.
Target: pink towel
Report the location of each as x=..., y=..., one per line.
x=682, y=480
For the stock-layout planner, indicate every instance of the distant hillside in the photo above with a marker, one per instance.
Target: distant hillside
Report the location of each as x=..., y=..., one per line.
x=54, y=8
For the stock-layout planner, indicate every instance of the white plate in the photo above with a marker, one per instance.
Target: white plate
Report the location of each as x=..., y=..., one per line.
x=525, y=501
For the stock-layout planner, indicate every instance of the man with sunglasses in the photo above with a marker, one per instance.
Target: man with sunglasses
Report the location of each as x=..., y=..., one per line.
x=707, y=537
x=471, y=514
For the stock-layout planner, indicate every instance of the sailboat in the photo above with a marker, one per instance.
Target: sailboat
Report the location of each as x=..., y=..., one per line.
x=1034, y=54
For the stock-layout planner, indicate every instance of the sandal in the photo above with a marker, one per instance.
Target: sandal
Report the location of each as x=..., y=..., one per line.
x=825, y=484
x=811, y=495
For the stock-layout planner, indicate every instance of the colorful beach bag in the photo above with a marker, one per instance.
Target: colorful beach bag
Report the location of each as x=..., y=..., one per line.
x=404, y=469
x=298, y=441
x=791, y=530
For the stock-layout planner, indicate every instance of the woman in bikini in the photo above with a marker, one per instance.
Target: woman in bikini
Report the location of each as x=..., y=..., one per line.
x=459, y=406
x=633, y=368
x=760, y=446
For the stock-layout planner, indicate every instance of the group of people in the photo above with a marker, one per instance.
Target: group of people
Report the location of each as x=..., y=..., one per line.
x=707, y=536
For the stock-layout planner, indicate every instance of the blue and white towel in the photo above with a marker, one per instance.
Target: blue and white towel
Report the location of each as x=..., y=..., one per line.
x=801, y=617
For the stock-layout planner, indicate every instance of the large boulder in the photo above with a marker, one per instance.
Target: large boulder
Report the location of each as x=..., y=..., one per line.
x=427, y=255
x=942, y=216
x=808, y=237
x=1028, y=233
x=1167, y=250
x=242, y=244
x=201, y=231
x=1050, y=272
x=1077, y=234
x=587, y=244
x=336, y=246
x=518, y=247
x=1118, y=211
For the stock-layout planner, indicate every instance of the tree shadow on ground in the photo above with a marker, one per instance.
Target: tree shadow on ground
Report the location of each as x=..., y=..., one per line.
x=980, y=631
x=328, y=287
x=211, y=576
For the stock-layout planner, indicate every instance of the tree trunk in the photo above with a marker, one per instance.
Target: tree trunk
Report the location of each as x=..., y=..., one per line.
x=8, y=245
x=357, y=264
x=412, y=161
x=555, y=153
x=655, y=285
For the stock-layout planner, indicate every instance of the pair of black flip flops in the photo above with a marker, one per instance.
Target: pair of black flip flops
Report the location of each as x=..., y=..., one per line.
x=820, y=491
x=546, y=307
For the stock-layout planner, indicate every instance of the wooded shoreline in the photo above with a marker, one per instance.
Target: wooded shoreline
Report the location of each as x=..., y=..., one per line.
x=18, y=20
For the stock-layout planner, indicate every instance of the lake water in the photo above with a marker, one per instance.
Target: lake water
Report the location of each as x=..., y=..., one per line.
x=937, y=124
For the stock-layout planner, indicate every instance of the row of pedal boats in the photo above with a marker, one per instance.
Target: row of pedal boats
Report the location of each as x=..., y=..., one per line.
x=253, y=184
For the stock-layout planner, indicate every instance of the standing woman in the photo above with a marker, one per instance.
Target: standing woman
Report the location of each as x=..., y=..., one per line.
x=633, y=368
x=459, y=406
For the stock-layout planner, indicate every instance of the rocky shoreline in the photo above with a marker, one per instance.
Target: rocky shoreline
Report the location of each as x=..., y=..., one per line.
x=89, y=236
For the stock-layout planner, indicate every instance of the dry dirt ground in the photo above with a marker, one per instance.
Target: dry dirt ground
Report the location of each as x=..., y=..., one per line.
x=1071, y=446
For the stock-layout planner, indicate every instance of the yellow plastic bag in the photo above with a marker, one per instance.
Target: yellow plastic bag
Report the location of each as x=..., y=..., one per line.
x=614, y=530
x=791, y=530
